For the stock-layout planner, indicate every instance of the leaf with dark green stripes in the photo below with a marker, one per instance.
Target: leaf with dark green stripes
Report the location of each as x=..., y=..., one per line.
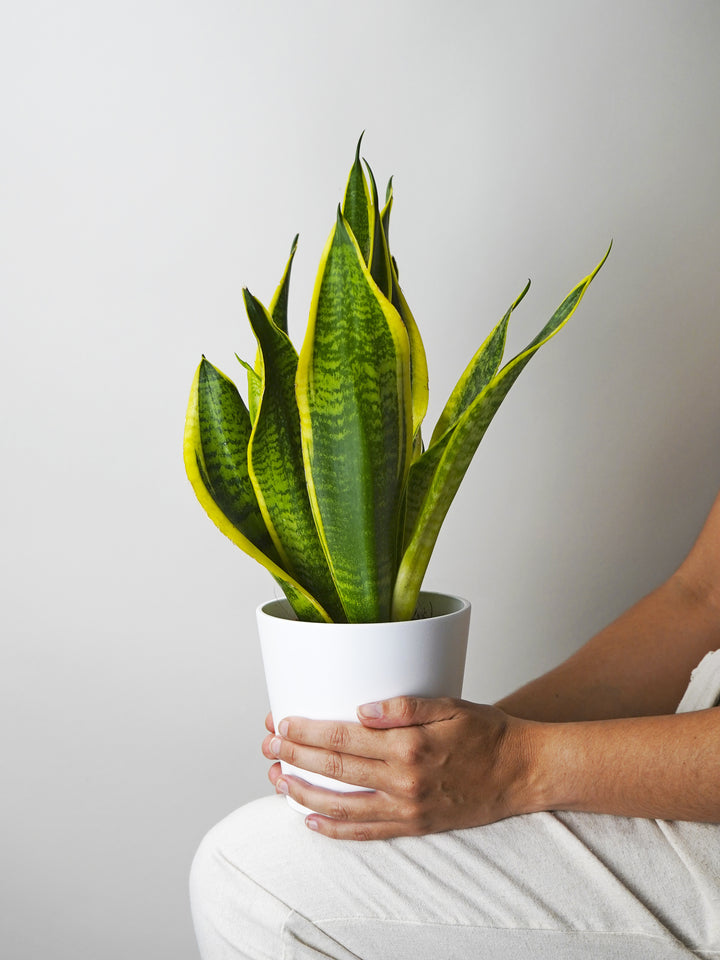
x=279, y=302
x=279, y=313
x=353, y=389
x=418, y=360
x=217, y=433
x=380, y=266
x=478, y=373
x=357, y=206
x=481, y=369
x=458, y=445
x=254, y=378
x=276, y=466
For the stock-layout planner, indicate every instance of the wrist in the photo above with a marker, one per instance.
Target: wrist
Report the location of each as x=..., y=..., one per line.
x=548, y=767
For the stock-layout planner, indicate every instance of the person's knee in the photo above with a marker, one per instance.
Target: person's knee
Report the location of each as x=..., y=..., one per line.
x=227, y=848
x=207, y=884
x=203, y=869
x=231, y=911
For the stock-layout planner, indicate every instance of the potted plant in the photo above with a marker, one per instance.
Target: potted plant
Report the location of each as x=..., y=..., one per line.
x=324, y=478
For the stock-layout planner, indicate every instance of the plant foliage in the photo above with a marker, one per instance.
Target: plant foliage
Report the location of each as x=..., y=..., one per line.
x=323, y=477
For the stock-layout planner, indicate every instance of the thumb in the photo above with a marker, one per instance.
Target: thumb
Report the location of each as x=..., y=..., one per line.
x=406, y=711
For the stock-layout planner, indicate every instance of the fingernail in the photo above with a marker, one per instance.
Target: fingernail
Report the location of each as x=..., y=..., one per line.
x=311, y=824
x=281, y=786
x=371, y=710
x=275, y=745
x=283, y=728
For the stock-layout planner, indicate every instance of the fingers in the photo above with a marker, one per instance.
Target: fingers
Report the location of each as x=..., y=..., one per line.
x=359, y=752
x=361, y=739
x=407, y=711
x=375, y=830
x=342, y=737
x=356, y=815
x=360, y=770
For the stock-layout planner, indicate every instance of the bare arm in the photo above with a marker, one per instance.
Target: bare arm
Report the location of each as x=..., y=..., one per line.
x=666, y=767
x=641, y=663
x=596, y=734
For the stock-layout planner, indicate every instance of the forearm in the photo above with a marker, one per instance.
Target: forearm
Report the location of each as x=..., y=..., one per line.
x=664, y=767
x=637, y=666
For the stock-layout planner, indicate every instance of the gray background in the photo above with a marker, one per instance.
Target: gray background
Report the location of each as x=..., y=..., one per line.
x=159, y=154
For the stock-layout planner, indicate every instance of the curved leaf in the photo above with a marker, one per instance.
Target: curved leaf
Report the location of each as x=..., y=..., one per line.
x=418, y=360
x=275, y=464
x=481, y=369
x=459, y=444
x=217, y=432
x=380, y=266
x=357, y=206
x=478, y=373
x=279, y=302
x=278, y=311
x=353, y=391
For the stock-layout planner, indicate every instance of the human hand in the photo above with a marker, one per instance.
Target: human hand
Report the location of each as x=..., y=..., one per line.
x=432, y=765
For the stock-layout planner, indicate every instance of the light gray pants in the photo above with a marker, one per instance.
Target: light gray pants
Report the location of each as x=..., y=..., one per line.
x=557, y=886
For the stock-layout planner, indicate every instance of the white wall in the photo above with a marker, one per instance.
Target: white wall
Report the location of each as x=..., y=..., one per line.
x=158, y=155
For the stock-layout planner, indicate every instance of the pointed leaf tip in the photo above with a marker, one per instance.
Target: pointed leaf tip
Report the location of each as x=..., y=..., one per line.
x=342, y=224
x=357, y=149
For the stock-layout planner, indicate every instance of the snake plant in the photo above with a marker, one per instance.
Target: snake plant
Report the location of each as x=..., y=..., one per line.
x=323, y=476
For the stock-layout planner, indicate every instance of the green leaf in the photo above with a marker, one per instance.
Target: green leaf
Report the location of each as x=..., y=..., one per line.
x=357, y=206
x=478, y=373
x=275, y=463
x=380, y=266
x=279, y=302
x=418, y=359
x=353, y=390
x=448, y=460
x=279, y=313
x=253, y=377
x=217, y=433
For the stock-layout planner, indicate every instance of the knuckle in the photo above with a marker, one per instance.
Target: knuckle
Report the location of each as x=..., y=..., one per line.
x=338, y=811
x=414, y=814
x=333, y=766
x=407, y=708
x=421, y=826
x=361, y=833
x=409, y=788
x=448, y=704
x=296, y=790
x=337, y=737
x=410, y=747
x=409, y=811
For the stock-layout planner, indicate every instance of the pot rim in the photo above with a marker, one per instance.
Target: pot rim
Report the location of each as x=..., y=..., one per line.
x=279, y=609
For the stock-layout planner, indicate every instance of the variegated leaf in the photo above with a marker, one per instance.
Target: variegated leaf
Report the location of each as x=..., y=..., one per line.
x=418, y=360
x=478, y=373
x=275, y=463
x=458, y=445
x=217, y=432
x=279, y=313
x=357, y=206
x=353, y=389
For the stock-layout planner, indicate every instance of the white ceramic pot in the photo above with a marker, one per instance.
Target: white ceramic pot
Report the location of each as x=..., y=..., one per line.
x=326, y=670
